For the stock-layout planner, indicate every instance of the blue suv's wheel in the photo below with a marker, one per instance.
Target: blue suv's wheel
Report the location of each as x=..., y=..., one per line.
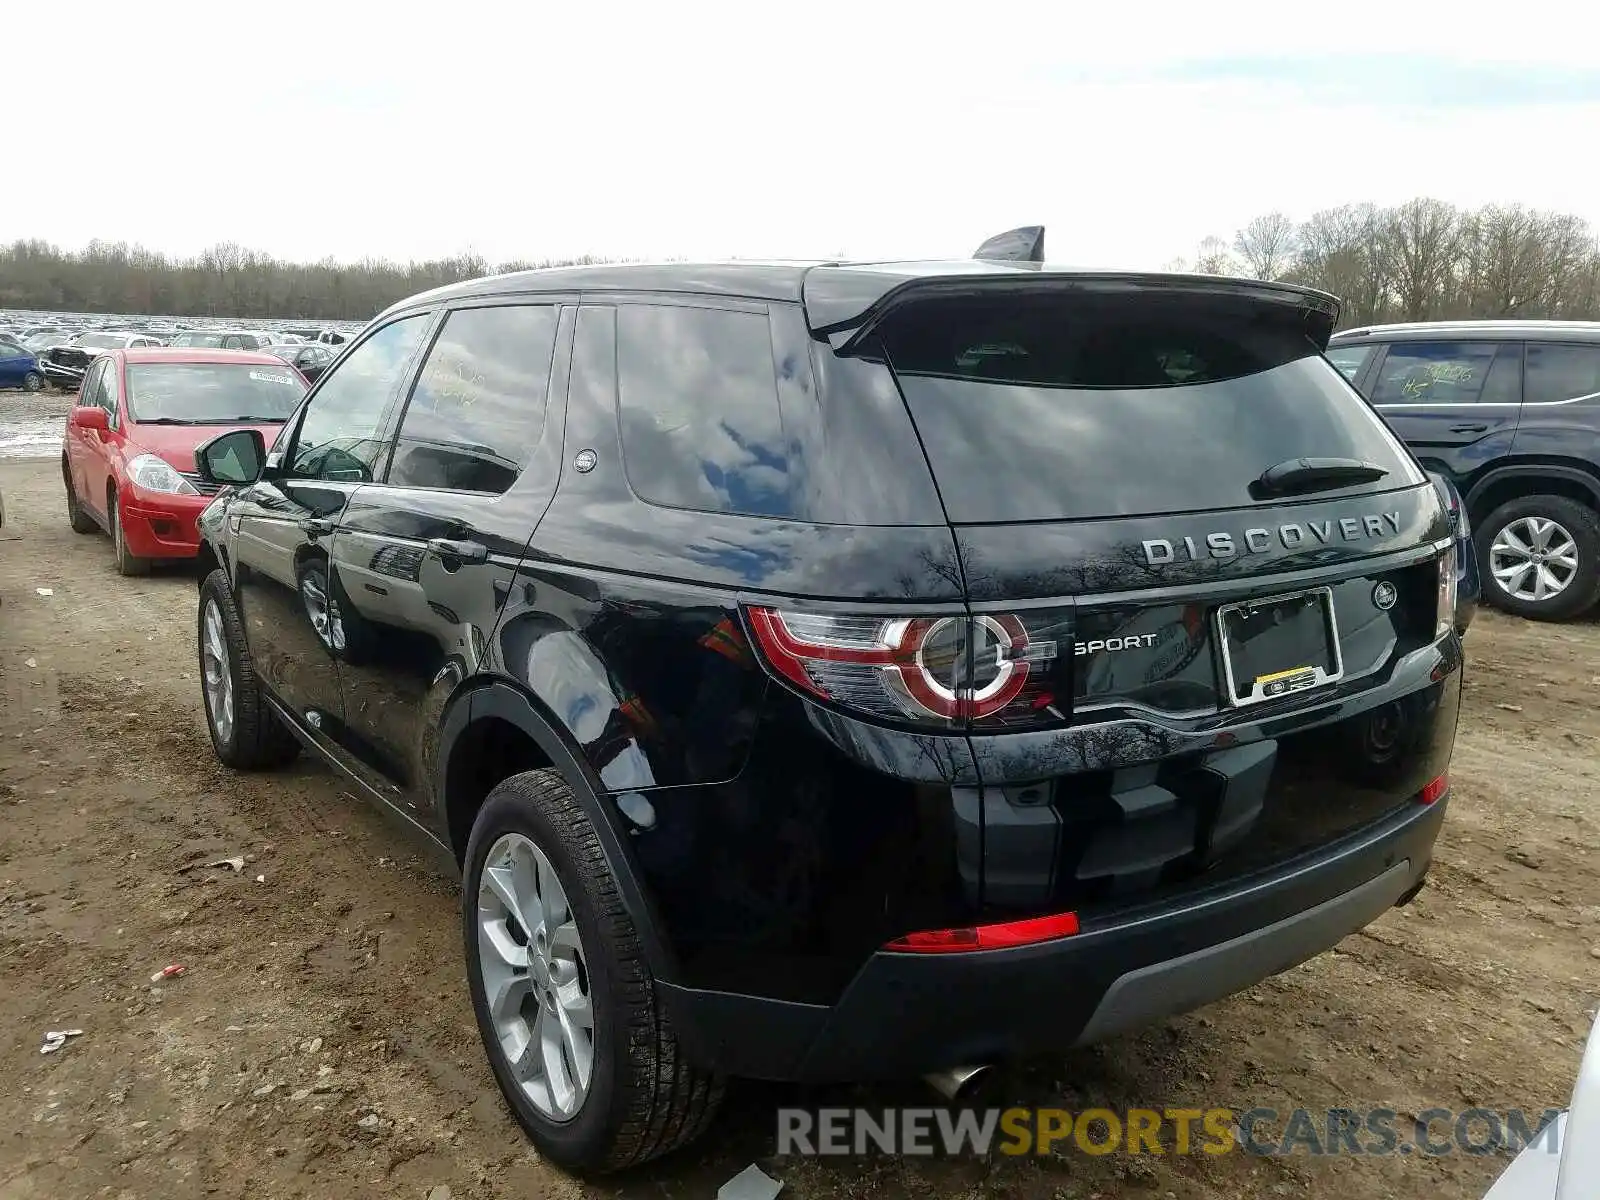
x=1540, y=557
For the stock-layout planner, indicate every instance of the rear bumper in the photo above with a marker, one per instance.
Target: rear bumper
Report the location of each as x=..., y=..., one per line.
x=906, y=1014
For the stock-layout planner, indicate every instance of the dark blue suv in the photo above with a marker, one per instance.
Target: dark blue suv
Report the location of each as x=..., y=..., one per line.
x=1509, y=412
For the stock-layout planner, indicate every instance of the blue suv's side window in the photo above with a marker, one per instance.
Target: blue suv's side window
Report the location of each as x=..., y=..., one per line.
x=1447, y=373
x=1559, y=373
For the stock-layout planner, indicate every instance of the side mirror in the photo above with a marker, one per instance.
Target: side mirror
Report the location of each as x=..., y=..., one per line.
x=233, y=457
x=91, y=416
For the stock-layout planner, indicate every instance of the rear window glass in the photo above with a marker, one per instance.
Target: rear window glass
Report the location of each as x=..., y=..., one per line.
x=1049, y=407
x=701, y=427
x=1557, y=373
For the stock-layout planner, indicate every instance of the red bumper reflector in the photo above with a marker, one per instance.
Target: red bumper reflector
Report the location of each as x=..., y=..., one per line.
x=987, y=937
x=1434, y=790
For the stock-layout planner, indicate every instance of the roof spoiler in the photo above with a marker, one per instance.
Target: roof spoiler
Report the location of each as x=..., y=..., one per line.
x=1025, y=244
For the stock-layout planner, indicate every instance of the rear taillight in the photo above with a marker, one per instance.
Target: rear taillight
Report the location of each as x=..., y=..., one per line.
x=1434, y=789
x=1445, y=609
x=1027, y=932
x=992, y=668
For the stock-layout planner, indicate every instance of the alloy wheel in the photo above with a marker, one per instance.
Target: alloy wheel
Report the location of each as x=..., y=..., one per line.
x=1534, y=559
x=218, y=670
x=535, y=977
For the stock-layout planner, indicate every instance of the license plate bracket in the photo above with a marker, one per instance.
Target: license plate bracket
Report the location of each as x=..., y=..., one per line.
x=1278, y=646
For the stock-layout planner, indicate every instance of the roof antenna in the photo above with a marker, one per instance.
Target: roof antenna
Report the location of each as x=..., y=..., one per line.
x=1015, y=245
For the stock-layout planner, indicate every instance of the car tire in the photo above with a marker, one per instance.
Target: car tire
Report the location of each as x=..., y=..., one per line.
x=128, y=563
x=1510, y=538
x=33, y=382
x=245, y=733
x=642, y=1100
x=80, y=521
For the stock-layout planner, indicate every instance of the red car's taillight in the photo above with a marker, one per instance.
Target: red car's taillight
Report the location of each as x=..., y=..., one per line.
x=946, y=669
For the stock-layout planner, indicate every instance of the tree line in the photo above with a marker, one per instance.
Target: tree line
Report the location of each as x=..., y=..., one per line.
x=1421, y=260
x=228, y=280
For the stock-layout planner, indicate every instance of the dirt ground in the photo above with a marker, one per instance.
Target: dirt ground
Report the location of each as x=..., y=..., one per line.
x=324, y=982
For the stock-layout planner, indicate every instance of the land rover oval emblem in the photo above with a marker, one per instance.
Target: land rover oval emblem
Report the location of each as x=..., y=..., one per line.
x=584, y=461
x=1384, y=595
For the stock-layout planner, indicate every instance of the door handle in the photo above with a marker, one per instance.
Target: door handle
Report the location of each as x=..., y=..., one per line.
x=316, y=526
x=451, y=550
x=1469, y=429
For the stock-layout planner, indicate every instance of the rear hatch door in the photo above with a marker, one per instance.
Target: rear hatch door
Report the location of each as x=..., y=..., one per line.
x=1203, y=527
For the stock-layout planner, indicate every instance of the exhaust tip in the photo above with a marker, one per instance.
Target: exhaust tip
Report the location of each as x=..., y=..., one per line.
x=1412, y=893
x=955, y=1082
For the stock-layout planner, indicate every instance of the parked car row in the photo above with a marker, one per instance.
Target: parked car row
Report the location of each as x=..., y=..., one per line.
x=54, y=351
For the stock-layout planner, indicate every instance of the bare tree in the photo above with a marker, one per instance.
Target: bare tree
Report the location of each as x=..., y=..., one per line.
x=224, y=280
x=1339, y=253
x=1214, y=259
x=1267, y=245
x=1420, y=241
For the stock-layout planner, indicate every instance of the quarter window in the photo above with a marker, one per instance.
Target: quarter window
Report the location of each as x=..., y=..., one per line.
x=339, y=433
x=701, y=427
x=1443, y=373
x=478, y=409
x=1557, y=373
x=1350, y=359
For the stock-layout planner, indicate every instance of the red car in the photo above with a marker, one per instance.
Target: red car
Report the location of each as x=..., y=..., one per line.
x=128, y=455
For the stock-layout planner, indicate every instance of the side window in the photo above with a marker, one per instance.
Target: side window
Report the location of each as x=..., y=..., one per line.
x=110, y=392
x=698, y=395
x=89, y=391
x=10, y=349
x=1350, y=359
x=338, y=434
x=478, y=407
x=1434, y=373
x=1557, y=373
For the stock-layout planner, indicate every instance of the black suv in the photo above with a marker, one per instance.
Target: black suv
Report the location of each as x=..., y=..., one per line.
x=1509, y=411
x=845, y=671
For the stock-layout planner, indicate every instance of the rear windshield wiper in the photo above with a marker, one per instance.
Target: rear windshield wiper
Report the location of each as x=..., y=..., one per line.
x=1295, y=476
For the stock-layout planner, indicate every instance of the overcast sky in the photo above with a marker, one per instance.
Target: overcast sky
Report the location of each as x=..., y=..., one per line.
x=764, y=129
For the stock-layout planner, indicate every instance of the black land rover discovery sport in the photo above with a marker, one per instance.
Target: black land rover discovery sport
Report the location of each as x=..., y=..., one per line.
x=841, y=671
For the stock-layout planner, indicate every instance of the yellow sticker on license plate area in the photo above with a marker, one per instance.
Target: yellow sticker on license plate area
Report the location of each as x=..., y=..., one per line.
x=1280, y=683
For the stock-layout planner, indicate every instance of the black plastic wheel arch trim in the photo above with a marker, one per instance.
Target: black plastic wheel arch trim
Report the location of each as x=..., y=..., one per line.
x=501, y=700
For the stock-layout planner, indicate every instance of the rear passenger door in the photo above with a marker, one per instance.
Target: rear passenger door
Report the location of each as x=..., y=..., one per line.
x=426, y=554
x=1561, y=401
x=86, y=448
x=1454, y=402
